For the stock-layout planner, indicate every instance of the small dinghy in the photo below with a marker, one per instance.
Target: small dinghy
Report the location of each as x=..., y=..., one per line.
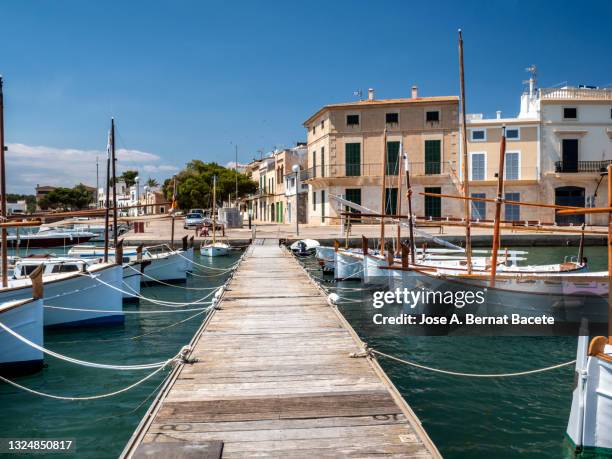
x=304, y=247
x=214, y=248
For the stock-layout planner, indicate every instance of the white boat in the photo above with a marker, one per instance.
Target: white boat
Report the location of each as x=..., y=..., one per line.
x=69, y=286
x=214, y=248
x=590, y=423
x=304, y=247
x=348, y=265
x=48, y=238
x=25, y=317
x=163, y=263
x=325, y=256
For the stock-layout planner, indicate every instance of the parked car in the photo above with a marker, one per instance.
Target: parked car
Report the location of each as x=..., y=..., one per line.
x=197, y=211
x=193, y=220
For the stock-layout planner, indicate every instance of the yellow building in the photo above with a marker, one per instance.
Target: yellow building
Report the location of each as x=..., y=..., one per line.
x=346, y=147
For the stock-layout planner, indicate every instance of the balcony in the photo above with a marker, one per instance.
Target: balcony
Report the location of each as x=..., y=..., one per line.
x=417, y=169
x=576, y=94
x=581, y=166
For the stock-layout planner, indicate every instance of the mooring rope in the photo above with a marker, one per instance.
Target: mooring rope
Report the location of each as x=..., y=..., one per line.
x=171, y=285
x=208, y=267
x=104, y=366
x=158, y=311
x=91, y=397
x=471, y=375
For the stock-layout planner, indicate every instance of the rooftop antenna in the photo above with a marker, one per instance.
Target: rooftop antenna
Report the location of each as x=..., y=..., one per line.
x=358, y=93
x=533, y=72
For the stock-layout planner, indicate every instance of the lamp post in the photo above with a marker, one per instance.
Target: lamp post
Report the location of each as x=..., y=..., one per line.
x=296, y=171
x=137, y=180
x=146, y=198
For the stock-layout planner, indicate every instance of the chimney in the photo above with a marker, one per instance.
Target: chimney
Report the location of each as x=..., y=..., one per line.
x=415, y=92
x=498, y=114
x=370, y=94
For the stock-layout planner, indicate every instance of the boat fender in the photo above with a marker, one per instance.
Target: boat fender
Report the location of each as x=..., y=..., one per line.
x=183, y=355
x=333, y=298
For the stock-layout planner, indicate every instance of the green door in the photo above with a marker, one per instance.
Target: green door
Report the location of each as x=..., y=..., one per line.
x=433, y=204
x=432, y=157
x=352, y=157
x=353, y=195
x=391, y=201
x=393, y=158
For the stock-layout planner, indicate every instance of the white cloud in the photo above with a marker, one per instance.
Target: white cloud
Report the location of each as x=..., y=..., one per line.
x=29, y=165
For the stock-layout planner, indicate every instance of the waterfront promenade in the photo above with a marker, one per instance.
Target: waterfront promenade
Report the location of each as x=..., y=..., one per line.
x=274, y=378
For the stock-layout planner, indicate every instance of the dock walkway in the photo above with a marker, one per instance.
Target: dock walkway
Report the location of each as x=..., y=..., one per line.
x=274, y=378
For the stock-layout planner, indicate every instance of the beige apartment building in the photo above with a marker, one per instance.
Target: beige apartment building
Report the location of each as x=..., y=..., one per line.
x=275, y=199
x=346, y=143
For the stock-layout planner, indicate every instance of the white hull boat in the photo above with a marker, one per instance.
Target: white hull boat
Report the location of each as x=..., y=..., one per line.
x=325, y=257
x=304, y=247
x=348, y=265
x=218, y=249
x=24, y=317
x=590, y=423
x=132, y=278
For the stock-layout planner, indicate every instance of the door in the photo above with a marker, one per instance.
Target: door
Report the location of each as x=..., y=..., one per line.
x=432, y=157
x=569, y=196
x=479, y=208
x=570, y=155
x=352, y=157
x=512, y=212
x=392, y=158
x=391, y=201
x=353, y=195
x=433, y=204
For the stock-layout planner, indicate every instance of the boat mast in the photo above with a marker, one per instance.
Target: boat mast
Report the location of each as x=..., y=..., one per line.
x=3, y=190
x=609, y=254
x=466, y=181
x=498, y=204
x=383, y=200
x=409, y=198
x=399, y=198
x=214, y=218
x=107, y=201
x=236, y=172
x=114, y=161
x=173, y=212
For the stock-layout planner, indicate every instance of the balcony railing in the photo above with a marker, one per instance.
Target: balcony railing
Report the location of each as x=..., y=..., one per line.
x=576, y=93
x=581, y=166
x=432, y=168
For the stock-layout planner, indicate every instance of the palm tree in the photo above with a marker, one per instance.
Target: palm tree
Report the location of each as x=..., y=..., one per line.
x=152, y=183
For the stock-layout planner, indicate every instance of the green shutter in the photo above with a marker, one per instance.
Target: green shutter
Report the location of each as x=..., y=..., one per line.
x=353, y=195
x=392, y=158
x=433, y=204
x=432, y=157
x=352, y=159
x=391, y=201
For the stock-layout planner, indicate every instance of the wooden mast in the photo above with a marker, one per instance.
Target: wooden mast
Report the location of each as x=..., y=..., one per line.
x=214, y=207
x=383, y=207
x=609, y=254
x=498, y=204
x=399, y=199
x=410, y=222
x=173, y=212
x=114, y=172
x=466, y=181
x=3, y=190
x=107, y=201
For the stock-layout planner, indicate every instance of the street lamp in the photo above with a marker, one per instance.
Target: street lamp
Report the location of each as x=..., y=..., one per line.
x=296, y=171
x=137, y=180
x=146, y=199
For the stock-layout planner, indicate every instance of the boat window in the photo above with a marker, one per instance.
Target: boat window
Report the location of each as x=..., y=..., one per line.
x=26, y=270
x=65, y=268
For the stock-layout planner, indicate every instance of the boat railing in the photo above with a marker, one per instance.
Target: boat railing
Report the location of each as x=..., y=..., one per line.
x=159, y=249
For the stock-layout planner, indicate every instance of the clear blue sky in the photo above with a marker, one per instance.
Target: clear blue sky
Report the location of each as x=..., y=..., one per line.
x=185, y=79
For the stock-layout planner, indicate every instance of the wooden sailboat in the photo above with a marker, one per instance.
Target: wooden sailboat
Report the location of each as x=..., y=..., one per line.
x=214, y=248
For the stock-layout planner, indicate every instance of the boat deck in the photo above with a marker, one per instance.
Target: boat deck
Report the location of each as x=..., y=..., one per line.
x=274, y=378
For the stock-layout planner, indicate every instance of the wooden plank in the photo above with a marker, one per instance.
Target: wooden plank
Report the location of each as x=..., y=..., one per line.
x=273, y=377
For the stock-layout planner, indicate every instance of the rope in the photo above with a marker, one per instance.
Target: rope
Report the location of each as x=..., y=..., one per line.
x=104, y=366
x=207, y=276
x=171, y=285
x=473, y=375
x=130, y=312
x=92, y=397
x=208, y=267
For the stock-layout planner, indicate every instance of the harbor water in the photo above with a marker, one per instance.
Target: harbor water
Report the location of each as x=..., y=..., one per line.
x=466, y=418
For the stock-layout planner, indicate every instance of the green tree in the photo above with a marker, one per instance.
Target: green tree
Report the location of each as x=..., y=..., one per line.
x=195, y=182
x=152, y=183
x=129, y=177
x=30, y=200
x=67, y=198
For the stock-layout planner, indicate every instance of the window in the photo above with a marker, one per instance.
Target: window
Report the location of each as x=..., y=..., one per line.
x=352, y=120
x=570, y=113
x=512, y=165
x=322, y=205
x=322, y=124
x=433, y=204
x=64, y=268
x=479, y=208
x=322, y=161
x=432, y=157
x=512, y=211
x=314, y=164
x=569, y=155
x=432, y=117
x=352, y=157
x=353, y=195
x=26, y=270
x=390, y=201
x=314, y=200
x=478, y=168
x=478, y=135
x=392, y=118
x=513, y=134
x=392, y=158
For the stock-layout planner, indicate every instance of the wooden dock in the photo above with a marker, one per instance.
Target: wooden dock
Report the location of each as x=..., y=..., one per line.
x=274, y=378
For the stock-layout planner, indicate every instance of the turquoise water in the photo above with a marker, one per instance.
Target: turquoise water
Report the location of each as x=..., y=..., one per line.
x=101, y=428
x=521, y=417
